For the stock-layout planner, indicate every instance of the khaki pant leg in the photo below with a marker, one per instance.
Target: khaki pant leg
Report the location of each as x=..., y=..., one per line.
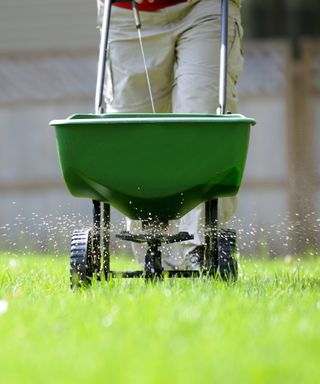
x=126, y=88
x=196, y=90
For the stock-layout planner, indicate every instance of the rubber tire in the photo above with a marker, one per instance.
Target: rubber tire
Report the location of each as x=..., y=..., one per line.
x=81, y=259
x=227, y=263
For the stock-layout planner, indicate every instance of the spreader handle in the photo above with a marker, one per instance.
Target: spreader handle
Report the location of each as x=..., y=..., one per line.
x=223, y=58
x=102, y=57
x=103, y=53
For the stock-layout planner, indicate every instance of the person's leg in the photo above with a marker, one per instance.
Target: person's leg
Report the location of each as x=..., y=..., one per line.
x=197, y=65
x=196, y=86
x=126, y=88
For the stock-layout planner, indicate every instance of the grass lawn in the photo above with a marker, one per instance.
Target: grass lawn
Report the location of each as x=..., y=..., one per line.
x=263, y=329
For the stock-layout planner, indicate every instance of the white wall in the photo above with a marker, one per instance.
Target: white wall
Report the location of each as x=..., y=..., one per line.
x=31, y=25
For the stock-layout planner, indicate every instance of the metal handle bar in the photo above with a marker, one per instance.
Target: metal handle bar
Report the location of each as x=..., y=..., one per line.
x=102, y=57
x=223, y=58
x=103, y=54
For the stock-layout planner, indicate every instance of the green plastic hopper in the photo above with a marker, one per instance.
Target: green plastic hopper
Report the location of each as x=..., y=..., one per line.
x=153, y=165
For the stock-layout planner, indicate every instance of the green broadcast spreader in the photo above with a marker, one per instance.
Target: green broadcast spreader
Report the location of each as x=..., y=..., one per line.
x=154, y=168
x=141, y=164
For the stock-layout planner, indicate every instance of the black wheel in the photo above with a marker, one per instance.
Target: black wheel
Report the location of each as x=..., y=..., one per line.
x=82, y=259
x=227, y=262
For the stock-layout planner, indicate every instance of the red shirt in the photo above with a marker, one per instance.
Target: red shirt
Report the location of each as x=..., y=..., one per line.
x=147, y=6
